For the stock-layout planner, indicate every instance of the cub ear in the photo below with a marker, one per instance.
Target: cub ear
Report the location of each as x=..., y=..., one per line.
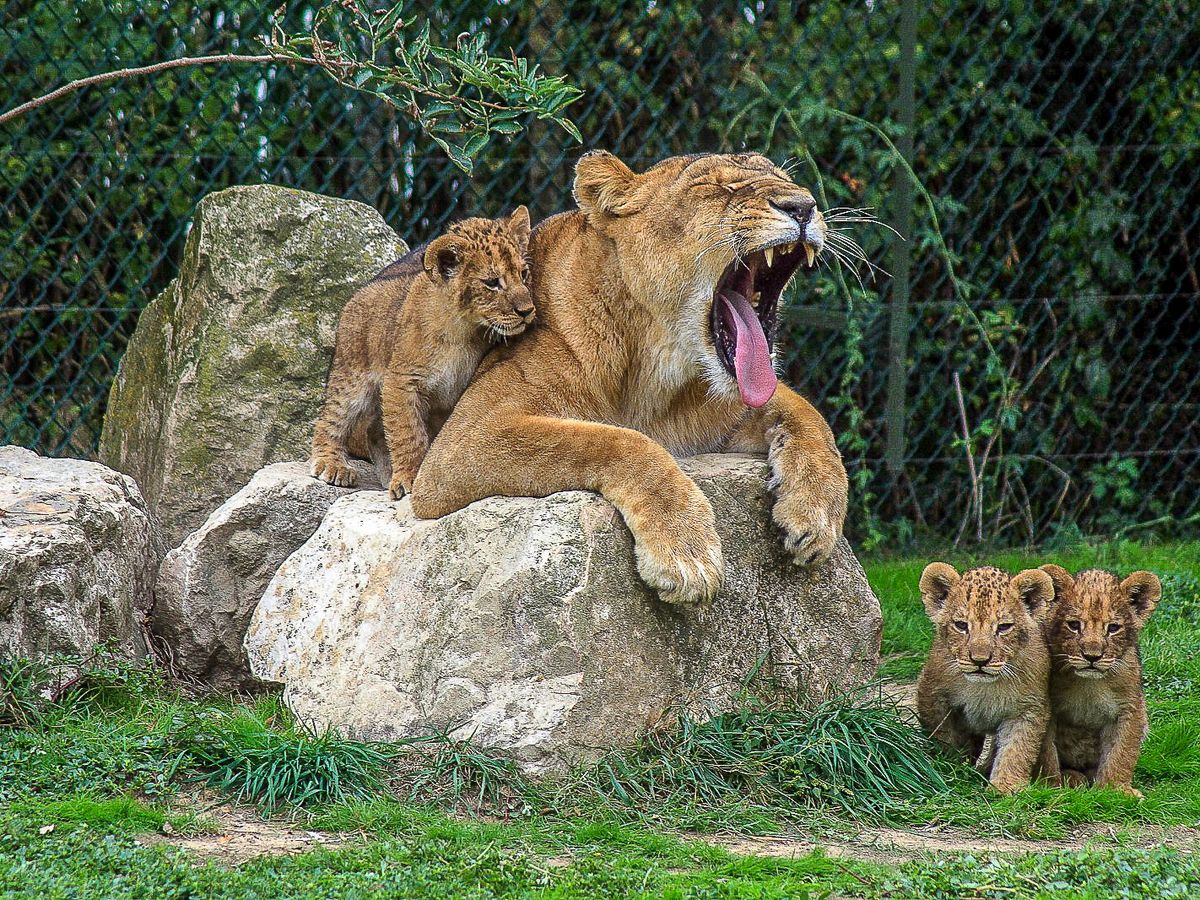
x=518, y=224
x=1144, y=590
x=937, y=581
x=1060, y=577
x=1036, y=590
x=604, y=184
x=443, y=257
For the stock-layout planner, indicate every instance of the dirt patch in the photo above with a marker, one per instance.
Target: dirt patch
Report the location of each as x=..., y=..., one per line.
x=242, y=834
x=895, y=845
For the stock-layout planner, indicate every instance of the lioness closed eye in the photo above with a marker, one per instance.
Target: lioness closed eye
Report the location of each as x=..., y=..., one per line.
x=409, y=341
x=988, y=667
x=1097, y=706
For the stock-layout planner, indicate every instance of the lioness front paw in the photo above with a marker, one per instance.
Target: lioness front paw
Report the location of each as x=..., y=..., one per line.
x=684, y=565
x=809, y=531
x=334, y=472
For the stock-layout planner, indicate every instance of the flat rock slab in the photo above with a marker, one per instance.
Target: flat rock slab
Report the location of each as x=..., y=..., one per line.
x=209, y=585
x=226, y=370
x=78, y=553
x=522, y=622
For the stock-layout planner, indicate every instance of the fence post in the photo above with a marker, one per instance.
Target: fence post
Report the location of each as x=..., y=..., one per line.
x=901, y=250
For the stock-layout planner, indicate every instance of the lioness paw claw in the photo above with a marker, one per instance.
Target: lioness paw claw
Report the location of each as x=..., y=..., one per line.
x=808, y=538
x=334, y=473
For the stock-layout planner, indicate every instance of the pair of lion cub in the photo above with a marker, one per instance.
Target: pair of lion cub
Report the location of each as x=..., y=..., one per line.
x=1038, y=674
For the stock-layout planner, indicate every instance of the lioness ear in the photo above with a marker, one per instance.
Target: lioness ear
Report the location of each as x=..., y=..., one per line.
x=518, y=224
x=937, y=581
x=604, y=184
x=1036, y=590
x=1144, y=590
x=1060, y=577
x=443, y=257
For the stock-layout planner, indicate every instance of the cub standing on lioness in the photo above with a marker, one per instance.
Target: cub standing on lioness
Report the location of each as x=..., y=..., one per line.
x=1097, y=707
x=409, y=341
x=988, y=667
x=658, y=304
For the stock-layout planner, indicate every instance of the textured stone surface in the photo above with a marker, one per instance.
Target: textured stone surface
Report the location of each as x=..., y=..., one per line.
x=225, y=371
x=524, y=623
x=209, y=585
x=78, y=552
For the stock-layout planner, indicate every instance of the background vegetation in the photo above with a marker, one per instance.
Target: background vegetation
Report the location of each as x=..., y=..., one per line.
x=1058, y=144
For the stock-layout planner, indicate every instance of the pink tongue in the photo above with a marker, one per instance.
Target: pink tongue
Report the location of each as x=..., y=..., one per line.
x=752, y=359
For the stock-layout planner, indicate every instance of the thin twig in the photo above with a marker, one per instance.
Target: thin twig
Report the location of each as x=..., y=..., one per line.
x=975, y=488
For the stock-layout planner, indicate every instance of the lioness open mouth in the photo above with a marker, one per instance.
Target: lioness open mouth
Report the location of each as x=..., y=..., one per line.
x=744, y=316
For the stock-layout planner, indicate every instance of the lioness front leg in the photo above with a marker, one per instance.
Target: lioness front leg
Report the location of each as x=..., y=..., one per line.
x=1018, y=748
x=519, y=455
x=806, y=472
x=404, y=432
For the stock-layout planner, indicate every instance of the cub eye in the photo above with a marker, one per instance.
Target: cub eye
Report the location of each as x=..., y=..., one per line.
x=1075, y=625
x=1004, y=628
x=525, y=276
x=493, y=283
x=1114, y=627
x=959, y=625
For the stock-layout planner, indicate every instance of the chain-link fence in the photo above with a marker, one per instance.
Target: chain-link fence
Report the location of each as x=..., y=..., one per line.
x=1056, y=143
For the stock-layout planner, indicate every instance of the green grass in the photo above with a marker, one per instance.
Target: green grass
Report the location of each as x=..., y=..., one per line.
x=118, y=752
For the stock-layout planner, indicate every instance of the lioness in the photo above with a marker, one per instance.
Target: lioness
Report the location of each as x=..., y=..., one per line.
x=988, y=666
x=658, y=302
x=409, y=340
x=1097, y=705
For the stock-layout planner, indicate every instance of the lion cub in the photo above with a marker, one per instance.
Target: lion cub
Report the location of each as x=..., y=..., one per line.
x=1097, y=707
x=988, y=667
x=409, y=341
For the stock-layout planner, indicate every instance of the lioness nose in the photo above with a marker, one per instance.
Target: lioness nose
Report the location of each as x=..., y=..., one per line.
x=799, y=207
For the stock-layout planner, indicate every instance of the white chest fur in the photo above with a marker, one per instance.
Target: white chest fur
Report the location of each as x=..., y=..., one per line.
x=986, y=705
x=1087, y=703
x=448, y=379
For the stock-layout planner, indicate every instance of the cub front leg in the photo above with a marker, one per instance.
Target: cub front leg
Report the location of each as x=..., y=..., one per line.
x=807, y=474
x=404, y=412
x=1120, y=745
x=346, y=393
x=1018, y=747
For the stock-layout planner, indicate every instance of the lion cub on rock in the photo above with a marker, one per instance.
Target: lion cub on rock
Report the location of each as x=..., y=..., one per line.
x=988, y=667
x=410, y=340
x=1098, y=709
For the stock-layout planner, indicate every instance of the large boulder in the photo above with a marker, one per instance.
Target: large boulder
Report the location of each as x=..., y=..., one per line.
x=225, y=371
x=209, y=585
x=78, y=553
x=523, y=623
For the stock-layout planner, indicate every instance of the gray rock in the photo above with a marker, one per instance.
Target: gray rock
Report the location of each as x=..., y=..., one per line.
x=225, y=371
x=208, y=586
x=78, y=553
x=522, y=622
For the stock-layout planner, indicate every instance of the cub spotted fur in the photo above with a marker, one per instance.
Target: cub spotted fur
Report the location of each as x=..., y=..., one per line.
x=1098, y=709
x=409, y=341
x=988, y=667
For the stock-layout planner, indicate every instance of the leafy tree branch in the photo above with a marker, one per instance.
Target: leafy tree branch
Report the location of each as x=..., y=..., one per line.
x=459, y=96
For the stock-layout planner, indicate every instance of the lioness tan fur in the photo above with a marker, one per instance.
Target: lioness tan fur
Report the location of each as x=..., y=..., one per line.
x=623, y=370
x=988, y=666
x=408, y=342
x=1097, y=704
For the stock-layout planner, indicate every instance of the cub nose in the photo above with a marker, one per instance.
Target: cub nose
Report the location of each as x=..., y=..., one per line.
x=524, y=308
x=799, y=207
x=1092, y=655
x=981, y=657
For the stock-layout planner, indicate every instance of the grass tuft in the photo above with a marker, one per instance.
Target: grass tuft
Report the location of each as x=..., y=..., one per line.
x=853, y=753
x=241, y=757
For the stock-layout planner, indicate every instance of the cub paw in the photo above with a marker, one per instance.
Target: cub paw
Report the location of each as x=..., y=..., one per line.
x=399, y=487
x=684, y=566
x=334, y=472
